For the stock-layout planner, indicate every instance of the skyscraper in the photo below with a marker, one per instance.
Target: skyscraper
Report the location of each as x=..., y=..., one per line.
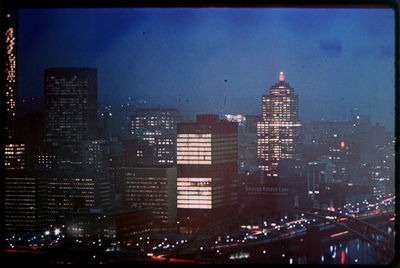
x=278, y=132
x=70, y=104
x=154, y=130
x=9, y=50
x=207, y=160
x=14, y=147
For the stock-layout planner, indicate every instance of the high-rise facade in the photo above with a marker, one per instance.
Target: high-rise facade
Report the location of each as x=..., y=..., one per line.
x=69, y=192
x=70, y=104
x=24, y=203
x=153, y=188
x=9, y=76
x=154, y=131
x=14, y=148
x=207, y=159
x=15, y=156
x=278, y=132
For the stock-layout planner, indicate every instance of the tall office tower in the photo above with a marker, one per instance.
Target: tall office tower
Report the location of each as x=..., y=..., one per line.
x=155, y=129
x=24, y=203
x=9, y=80
x=14, y=148
x=207, y=159
x=278, y=132
x=70, y=104
x=153, y=188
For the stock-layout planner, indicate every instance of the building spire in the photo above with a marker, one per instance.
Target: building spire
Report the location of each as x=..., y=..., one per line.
x=281, y=77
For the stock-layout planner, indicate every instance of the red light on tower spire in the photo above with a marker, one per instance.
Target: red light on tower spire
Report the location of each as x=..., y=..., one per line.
x=281, y=77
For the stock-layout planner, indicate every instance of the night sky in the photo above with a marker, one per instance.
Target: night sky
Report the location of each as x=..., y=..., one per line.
x=219, y=60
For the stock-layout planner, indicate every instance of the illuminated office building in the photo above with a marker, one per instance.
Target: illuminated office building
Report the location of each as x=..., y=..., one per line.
x=278, y=132
x=207, y=157
x=15, y=156
x=24, y=203
x=155, y=133
x=14, y=150
x=69, y=192
x=70, y=104
x=45, y=161
x=153, y=188
x=9, y=76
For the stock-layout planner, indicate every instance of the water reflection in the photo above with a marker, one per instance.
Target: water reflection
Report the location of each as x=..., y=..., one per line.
x=352, y=251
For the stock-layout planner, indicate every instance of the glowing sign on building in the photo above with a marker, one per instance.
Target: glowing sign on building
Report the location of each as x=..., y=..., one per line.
x=240, y=119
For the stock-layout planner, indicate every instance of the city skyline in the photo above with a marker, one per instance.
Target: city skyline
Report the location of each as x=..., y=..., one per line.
x=220, y=59
x=199, y=135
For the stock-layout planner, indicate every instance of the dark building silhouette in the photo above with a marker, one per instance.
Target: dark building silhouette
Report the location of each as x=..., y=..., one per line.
x=105, y=127
x=70, y=113
x=108, y=226
x=30, y=132
x=247, y=141
x=248, y=144
x=70, y=104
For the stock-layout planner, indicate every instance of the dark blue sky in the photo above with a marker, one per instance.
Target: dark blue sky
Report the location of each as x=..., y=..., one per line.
x=336, y=59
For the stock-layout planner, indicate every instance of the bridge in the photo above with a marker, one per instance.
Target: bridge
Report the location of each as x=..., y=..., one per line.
x=357, y=225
